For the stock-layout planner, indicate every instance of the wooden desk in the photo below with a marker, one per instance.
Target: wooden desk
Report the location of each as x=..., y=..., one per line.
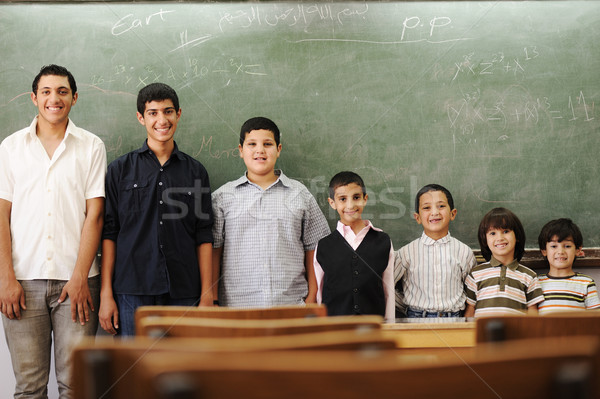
x=439, y=333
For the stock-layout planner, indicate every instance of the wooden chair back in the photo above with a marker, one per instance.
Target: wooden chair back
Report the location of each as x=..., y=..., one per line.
x=101, y=367
x=207, y=328
x=277, y=312
x=520, y=327
x=532, y=369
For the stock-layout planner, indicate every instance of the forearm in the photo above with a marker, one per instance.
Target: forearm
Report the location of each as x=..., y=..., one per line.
x=90, y=237
x=109, y=248
x=205, y=265
x=310, y=277
x=216, y=271
x=6, y=266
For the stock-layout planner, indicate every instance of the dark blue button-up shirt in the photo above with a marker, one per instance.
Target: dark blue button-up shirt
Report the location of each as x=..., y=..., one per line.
x=157, y=215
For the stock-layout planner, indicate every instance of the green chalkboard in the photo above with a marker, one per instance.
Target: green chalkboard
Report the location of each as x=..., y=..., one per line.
x=495, y=100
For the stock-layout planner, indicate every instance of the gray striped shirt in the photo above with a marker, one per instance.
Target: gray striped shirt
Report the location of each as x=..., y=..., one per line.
x=433, y=273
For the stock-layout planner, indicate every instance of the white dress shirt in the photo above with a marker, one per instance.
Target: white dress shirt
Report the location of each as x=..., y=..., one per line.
x=48, y=198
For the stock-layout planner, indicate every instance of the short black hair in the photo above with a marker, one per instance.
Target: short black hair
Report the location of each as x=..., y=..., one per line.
x=562, y=229
x=433, y=187
x=259, y=123
x=343, y=179
x=55, y=70
x=156, y=92
x=501, y=218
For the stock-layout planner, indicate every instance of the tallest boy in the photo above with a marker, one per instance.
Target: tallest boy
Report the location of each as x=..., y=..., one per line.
x=51, y=203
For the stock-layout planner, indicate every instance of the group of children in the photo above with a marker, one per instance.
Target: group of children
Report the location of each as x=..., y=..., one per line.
x=265, y=219
x=271, y=244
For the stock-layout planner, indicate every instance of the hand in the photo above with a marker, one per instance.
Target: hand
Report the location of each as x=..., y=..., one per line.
x=109, y=315
x=81, y=300
x=12, y=299
x=206, y=299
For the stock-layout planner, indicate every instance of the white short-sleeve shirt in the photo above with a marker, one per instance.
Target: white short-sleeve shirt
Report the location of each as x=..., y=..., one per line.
x=48, y=198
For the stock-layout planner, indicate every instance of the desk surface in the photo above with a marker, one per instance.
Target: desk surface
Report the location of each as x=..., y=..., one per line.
x=432, y=333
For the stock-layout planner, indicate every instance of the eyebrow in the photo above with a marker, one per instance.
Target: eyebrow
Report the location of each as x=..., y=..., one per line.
x=158, y=109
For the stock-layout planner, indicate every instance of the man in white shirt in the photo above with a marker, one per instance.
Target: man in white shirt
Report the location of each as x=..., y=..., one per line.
x=51, y=214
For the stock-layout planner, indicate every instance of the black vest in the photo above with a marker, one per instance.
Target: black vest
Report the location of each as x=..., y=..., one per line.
x=352, y=283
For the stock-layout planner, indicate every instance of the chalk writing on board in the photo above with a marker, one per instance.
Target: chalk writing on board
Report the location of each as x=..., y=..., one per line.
x=186, y=42
x=129, y=21
x=207, y=146
x=303, y=14
x=414, y=30
x=470, y=112
x=494, y=63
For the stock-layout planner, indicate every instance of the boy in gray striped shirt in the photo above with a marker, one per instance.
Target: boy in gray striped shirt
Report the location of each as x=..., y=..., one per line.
x=432, y=269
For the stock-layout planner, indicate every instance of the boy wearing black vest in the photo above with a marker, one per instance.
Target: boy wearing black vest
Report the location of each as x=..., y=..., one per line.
x=354, y=265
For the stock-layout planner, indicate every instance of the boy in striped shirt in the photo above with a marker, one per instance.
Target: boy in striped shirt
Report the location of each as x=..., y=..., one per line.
x=564, y=290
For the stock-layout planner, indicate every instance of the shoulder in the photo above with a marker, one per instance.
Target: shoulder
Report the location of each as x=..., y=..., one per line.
x=411, y=246
x=195, y=165
x=584, y=277
x=15, y=138
x=482, y=267
x=527, y=271
x=84, y=135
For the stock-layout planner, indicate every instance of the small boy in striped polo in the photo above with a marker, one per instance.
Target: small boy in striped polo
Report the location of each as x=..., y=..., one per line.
x=564, y=290
x=502, y=286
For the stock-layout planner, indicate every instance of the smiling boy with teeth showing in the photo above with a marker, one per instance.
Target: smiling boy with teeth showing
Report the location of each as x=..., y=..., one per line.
x=564, y=290
x=157, y=240
x=432, y=269
x=51, y=204
x=502, y=286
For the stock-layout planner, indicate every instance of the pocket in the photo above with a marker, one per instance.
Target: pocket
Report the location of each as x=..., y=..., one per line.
x=134, y=194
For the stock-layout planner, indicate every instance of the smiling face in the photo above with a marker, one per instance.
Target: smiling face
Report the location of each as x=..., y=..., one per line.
x=349, y=203
x=260, y=153
x=502, y=244
x=160, y=119
x=435, y=214
x=561, y=255
x=54, y=100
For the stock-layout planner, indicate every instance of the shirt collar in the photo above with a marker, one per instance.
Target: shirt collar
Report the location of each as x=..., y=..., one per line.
x=430, y=241
x=512, y=265
x=281, y=178
x=71, y=129
x=176, y=152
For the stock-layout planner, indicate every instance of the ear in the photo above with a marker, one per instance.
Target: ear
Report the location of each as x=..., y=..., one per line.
x=331, y=203
x=544, y=252
x=140, y=118
x=366, y=198
x=34, y=98
x=580, y=253
x=178, y=114
x=278, y=150
x=453, y=214
x=75, y=97
x=240, y=150
x=417, y=217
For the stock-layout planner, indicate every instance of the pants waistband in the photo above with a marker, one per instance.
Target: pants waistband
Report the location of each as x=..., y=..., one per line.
x=425, y=313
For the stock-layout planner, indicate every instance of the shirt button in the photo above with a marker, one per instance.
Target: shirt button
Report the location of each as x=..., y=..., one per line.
x=135, y=185
x=161, y=169
x=356, y=307
x=160, y=202
x=160, y=183
x=160, y=222
x=355, y=290
x=356, y=272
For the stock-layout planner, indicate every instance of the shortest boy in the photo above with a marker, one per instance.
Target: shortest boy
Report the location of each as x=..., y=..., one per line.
x=354, y=265
x=432, y=269
x=560, y=242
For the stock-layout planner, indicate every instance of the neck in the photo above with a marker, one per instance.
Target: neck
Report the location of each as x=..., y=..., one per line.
x=263, y=181
x=357, y=226
x=506, y=259
x=162, y=150
x=561, y=272
x=49, y=131
x=436, y=235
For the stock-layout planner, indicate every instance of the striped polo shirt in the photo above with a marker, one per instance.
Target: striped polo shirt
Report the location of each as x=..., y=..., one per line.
x=576, y=292
x=499, y=290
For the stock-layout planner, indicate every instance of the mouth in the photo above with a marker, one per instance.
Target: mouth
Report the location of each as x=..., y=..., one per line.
x=54, y=108
x=162, y=130
x=433, y=221
x=501, y=245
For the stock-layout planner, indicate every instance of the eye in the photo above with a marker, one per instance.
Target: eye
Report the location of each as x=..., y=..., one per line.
x=491, y=233
x=506, y=231
x=63, y=92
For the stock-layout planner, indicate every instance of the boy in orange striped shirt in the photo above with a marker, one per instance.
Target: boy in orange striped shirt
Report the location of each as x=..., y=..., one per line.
x=564, y=290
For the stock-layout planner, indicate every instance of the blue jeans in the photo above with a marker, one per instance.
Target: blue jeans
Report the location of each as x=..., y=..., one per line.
x=127, y=304
x=30, y=339
x=416, y=313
